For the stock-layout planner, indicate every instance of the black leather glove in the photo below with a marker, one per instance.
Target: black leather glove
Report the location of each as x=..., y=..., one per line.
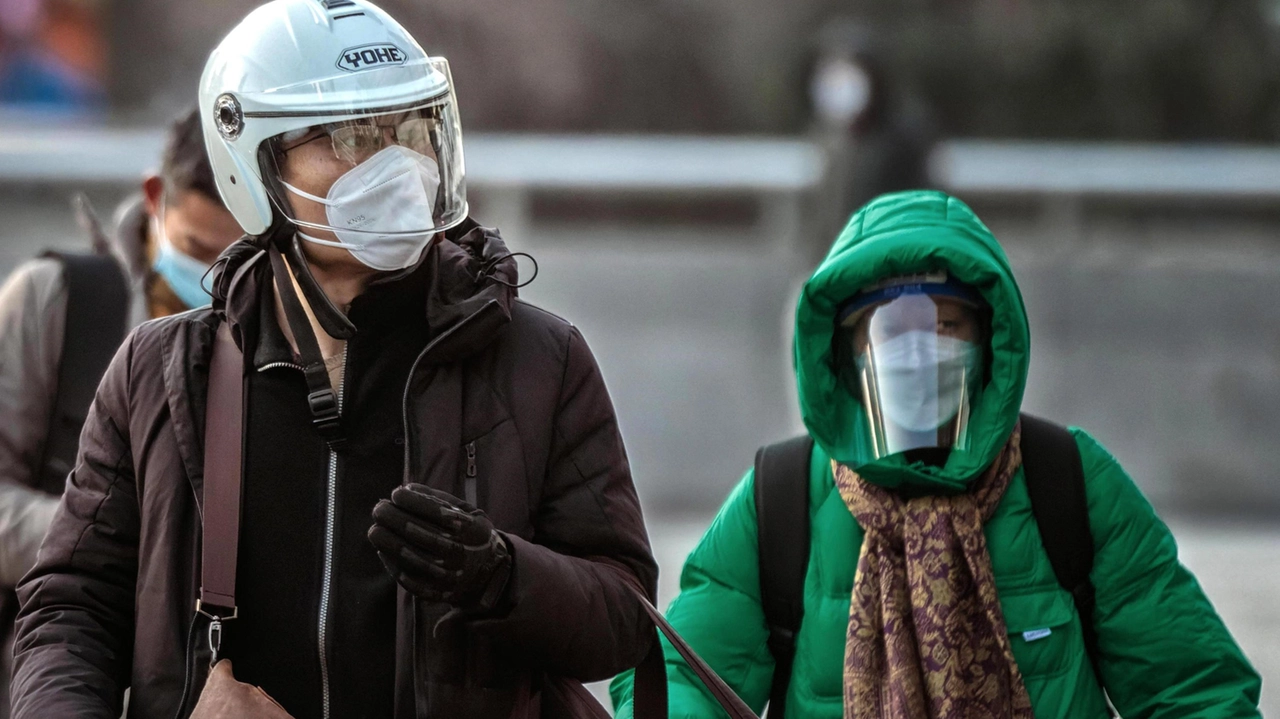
x=441, y=548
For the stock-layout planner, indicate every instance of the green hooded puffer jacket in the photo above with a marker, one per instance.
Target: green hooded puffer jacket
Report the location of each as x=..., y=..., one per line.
x=1164, y=651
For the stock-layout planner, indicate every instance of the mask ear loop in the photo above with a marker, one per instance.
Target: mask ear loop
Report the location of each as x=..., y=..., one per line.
x=222, y=260
x=486, y=270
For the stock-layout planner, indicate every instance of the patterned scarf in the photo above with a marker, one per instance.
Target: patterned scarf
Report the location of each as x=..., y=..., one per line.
x=927, y=637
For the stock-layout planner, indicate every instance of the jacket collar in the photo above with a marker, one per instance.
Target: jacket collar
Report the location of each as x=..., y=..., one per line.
x=129, y=239
x=469, y=277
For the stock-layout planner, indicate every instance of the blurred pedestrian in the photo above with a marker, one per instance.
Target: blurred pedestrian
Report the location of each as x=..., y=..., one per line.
x=876, y=133
x=926, y=551
x=62, y=316
x=436, y=518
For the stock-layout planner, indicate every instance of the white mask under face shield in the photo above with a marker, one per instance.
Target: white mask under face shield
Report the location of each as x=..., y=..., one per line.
x=914, y=352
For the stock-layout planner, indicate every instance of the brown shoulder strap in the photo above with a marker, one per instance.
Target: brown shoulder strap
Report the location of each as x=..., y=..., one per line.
x=223, y=439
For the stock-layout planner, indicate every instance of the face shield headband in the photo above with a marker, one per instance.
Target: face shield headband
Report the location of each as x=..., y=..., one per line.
x=934, y=284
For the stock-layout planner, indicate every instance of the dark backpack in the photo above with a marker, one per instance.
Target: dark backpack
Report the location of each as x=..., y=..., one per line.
x=1055, y=482
x=97, y=311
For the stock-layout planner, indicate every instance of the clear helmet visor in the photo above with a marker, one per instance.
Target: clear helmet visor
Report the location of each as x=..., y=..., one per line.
x=917, y=363
x=373, y=174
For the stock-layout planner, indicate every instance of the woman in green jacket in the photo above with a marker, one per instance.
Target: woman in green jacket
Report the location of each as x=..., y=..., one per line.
x=928, y=593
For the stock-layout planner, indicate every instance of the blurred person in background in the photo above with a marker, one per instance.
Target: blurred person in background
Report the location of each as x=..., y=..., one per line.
x=62, y=317
x=437, y=517
x=913, y=556
x=876, y=133
x=53, y=56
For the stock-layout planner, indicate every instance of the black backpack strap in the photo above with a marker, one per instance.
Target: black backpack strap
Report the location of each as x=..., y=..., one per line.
x=1055, y=482
x=782, y=521
x=97, y=311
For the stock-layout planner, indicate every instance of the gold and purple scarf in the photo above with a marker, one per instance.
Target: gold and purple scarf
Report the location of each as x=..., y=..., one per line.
x=927, y=637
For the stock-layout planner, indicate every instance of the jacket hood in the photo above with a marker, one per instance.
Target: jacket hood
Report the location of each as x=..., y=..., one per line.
x=129, y=240
x=898, y=234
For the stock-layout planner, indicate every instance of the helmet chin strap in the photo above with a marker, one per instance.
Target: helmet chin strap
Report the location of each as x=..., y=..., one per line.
x=321, y=399
x=331, y=319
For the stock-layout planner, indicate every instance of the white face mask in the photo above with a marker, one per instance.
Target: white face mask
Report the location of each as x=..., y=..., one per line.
x=841, y=91
x=393, y=192
x=922, y=378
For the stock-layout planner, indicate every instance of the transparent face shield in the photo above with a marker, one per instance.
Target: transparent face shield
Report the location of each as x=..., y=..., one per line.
x=917, y=362
x=391, y=173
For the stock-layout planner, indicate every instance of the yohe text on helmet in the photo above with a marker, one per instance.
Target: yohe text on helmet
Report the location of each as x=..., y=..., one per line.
x=370, y=56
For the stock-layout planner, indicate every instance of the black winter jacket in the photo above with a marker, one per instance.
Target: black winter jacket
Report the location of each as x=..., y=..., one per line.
x=111, y=602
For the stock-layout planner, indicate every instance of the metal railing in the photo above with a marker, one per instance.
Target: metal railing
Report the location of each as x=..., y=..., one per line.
x=506, y=170
x=1131, y=171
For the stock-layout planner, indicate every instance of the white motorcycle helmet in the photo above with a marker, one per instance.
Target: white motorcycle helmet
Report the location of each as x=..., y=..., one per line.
x=339, y=71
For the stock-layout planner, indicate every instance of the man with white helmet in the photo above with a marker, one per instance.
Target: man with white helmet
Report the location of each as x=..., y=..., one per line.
x=436, y=514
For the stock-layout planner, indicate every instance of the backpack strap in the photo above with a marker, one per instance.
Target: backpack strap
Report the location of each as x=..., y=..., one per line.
x=782, y=521
x=97, y=311
x=1055, y=482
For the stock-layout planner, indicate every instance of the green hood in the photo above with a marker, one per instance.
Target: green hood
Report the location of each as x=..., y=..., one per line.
x=898, y=234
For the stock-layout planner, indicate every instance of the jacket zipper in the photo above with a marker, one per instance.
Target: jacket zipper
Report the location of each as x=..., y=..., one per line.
x=404, y=401
x=322, y=630
x=469, y=487
x=330, y=521
x=275, y=365
x=404, y=412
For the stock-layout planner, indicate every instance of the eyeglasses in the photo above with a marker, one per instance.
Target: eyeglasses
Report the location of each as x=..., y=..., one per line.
x=355, y=141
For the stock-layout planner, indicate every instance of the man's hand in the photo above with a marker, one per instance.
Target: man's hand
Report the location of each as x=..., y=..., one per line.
x=441, y=548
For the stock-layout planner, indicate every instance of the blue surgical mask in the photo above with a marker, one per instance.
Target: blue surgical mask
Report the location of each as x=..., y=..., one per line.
x=182, y=272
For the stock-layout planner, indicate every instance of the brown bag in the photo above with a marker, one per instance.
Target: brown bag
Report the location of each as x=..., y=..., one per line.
x=563, y=698
x=225, y=698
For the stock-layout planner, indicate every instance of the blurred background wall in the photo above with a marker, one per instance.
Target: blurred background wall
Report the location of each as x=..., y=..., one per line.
x=1145, y=69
